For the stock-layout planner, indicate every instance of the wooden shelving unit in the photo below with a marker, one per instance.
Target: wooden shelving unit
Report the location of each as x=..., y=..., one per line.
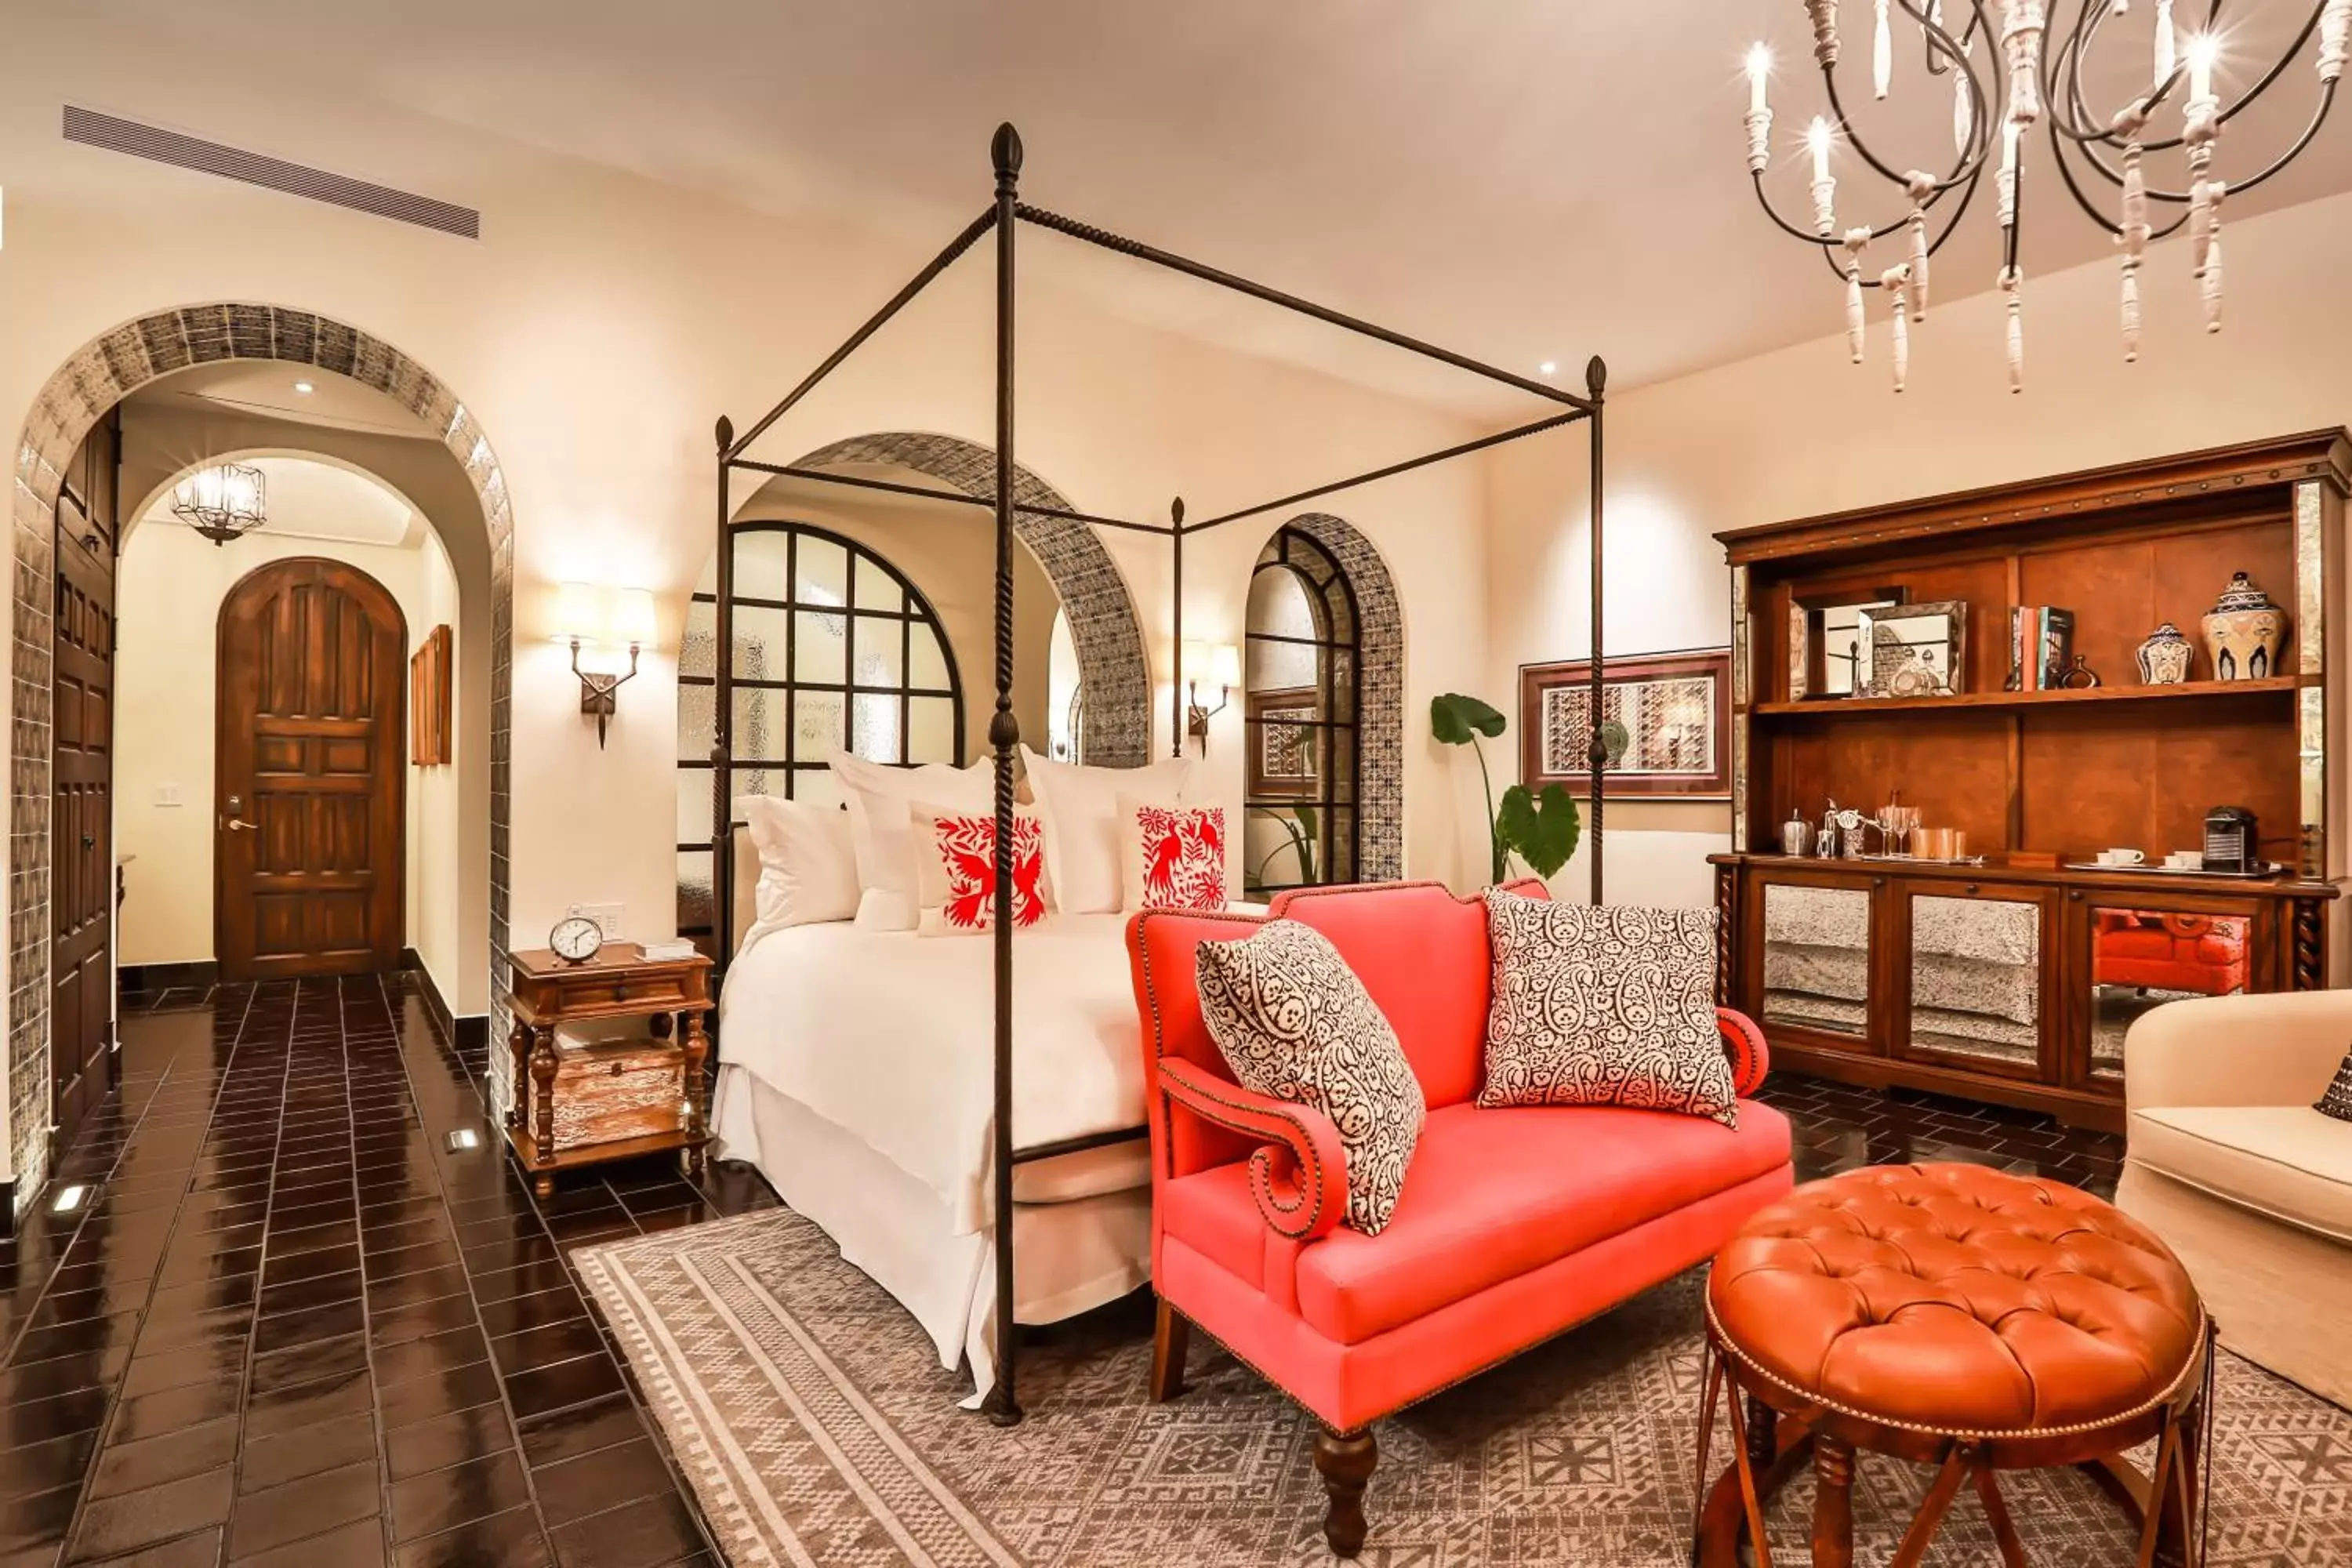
x=1832, y=707
x=2058, y=774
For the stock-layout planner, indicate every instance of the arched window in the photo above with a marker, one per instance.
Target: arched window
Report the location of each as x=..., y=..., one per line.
x=1302, y=681
x=834, y=648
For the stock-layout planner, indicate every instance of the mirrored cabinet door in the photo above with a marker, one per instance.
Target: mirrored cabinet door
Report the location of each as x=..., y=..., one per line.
x=1976, y=979
x=1817, y=959
x=2143, y=957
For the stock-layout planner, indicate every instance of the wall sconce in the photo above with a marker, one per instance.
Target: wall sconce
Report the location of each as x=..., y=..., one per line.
x=1208, y=664
x=588, y=616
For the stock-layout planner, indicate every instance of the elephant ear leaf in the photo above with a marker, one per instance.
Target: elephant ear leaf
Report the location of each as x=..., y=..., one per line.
x=1454, y=719
x=1542, y=829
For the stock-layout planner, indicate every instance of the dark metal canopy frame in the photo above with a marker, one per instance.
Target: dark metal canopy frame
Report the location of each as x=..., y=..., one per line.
x=1002, y=219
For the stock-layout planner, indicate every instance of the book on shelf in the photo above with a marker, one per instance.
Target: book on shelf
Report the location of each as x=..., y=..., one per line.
x=2041, y=647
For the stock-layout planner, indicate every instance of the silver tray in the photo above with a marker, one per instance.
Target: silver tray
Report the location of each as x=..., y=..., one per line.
x=2270, y=868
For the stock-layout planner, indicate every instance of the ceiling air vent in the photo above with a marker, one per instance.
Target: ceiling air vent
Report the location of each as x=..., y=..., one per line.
x=91, y=129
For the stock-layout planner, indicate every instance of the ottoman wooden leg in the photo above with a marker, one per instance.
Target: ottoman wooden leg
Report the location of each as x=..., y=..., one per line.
x=1346, y=1466
x=2004, y=1533
x=1932, y=1509
x=1832, y=1503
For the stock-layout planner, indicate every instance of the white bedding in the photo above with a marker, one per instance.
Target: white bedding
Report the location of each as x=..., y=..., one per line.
x=890, y=1035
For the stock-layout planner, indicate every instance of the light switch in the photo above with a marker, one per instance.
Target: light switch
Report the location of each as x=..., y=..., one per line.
x=606, y=916
x=169, y=794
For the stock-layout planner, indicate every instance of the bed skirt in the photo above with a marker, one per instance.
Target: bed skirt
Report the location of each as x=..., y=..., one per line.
x=1069, y=1256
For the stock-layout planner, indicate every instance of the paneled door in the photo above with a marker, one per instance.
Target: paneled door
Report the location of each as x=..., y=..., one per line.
x=308, y=853
x=81, y=805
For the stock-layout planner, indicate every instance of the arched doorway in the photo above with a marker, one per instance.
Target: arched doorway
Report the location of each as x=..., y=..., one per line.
x=1324, y=675
x=82, y=393
x=1071, y=607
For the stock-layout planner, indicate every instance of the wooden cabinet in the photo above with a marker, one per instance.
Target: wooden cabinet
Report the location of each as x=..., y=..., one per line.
x=594, y=1104
x=2013, y=980
x=1991, y=983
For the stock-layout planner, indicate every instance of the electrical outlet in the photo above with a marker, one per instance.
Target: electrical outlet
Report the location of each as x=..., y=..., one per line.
x=606, y=916
x=169, y=794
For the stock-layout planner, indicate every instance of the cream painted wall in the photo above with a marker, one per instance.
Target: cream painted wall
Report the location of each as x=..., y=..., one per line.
x=168, y=594
x=437, y=904
x=1802, y=431
x=604, y=321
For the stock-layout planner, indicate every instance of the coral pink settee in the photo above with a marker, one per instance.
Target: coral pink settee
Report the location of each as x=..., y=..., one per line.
x=1514, y=1224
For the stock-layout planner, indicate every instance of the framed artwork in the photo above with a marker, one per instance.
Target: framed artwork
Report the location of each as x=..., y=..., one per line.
x=1671, y=724
x=1914, y=650
x=1286, y=744
x=428, y=700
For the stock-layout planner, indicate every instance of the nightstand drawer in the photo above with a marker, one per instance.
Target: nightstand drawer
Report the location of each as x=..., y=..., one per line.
x=627, y=1089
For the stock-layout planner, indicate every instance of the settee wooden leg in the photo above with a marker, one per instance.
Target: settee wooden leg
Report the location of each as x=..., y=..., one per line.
x=1172, y=1335
x=1346, y=1465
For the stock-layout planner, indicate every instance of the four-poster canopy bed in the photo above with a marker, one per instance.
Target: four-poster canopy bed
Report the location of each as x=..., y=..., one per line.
x=1002, y=219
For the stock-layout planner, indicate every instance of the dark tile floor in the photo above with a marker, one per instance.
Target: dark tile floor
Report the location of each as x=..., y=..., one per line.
x=293, y=1329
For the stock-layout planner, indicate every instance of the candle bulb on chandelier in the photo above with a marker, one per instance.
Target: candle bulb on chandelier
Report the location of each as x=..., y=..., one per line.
x=1759, y=69
x=2165, y=43
x=1882, y=53
x=1817, y=137
x=2204, y=49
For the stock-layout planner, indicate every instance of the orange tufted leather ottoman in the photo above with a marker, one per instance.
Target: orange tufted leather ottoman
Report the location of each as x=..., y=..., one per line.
x=1962, y=1316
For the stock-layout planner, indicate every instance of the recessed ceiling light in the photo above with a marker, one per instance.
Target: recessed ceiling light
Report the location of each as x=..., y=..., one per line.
x=68, y=1199
x=305, y=388
x=1546, y=368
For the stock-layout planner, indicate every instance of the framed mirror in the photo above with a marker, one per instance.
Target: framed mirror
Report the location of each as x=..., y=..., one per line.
x=1827, y=656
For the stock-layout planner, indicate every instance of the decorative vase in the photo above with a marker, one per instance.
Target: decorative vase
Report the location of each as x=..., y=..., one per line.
x=2165, y=657
x=2244, y=632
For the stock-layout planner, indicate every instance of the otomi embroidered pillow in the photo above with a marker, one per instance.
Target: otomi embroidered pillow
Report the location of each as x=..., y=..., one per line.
x=1173, y=857
x=1295, y=1023
x=1595, y=1004
x=959, y=870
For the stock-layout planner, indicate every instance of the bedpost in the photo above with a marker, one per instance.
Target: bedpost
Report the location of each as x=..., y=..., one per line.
x=1176, y=626
x=1004, y=1405
x=1596, y=380
x=722, y=805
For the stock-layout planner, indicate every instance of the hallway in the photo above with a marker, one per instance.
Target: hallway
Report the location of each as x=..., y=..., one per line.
x=291, y=1327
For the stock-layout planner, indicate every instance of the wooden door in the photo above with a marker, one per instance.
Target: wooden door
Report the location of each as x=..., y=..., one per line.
x=81, y=805
x=308, y=851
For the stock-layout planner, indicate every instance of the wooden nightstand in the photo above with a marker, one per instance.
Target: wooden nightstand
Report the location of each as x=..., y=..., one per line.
x=620, y=981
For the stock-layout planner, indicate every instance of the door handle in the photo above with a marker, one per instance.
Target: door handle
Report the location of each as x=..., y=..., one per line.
x=235, y=825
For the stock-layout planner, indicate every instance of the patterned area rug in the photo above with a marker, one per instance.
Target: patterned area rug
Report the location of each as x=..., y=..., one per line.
x=817, y=1429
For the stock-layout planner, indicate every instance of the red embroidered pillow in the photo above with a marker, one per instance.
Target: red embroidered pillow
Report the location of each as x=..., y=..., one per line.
x=959, y=871
x=1174, y=855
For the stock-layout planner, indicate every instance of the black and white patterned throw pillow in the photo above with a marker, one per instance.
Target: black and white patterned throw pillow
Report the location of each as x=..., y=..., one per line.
x=2337, y=1100
x=1296, y=1024
x=1595, y=1004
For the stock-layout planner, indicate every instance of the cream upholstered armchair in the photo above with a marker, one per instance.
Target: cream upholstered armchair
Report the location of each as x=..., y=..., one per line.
x=2229, y=1164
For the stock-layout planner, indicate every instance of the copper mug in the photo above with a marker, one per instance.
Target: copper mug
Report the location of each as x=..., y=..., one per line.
x=1940, y=843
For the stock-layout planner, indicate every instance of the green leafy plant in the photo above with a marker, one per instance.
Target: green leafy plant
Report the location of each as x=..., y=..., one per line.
x=1303, y=829
x=1541, y=829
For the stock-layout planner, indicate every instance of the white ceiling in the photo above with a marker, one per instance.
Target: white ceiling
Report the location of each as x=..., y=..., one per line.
x=296, y=393
x=1526, y=180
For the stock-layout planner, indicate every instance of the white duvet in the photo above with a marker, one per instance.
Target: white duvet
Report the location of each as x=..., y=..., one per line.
x=891, y=1036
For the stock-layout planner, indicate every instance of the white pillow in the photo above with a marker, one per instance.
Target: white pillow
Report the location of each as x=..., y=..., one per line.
x=878, y=793
x=808, y=863
x=1080, y=806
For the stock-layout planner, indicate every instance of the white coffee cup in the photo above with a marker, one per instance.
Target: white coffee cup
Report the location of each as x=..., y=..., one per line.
x=2123, y=858
x=2186, y=860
